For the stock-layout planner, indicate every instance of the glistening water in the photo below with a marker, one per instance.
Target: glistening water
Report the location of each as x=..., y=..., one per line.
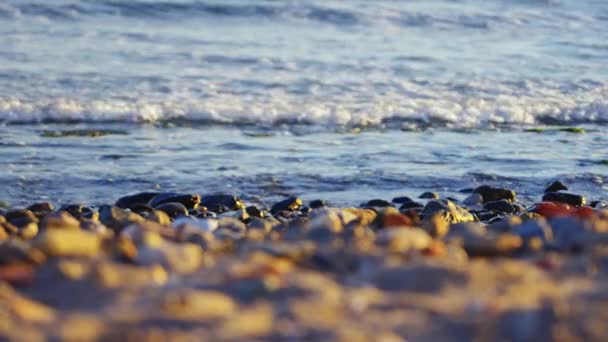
x=343, y=100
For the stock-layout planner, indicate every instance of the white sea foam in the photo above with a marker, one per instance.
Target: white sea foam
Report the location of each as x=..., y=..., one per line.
x=477, y=105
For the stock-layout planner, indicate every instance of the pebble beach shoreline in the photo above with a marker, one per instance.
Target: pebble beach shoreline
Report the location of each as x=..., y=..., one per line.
x=165, y=266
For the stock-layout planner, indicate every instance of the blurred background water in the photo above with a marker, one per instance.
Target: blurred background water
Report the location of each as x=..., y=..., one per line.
x=344, y=100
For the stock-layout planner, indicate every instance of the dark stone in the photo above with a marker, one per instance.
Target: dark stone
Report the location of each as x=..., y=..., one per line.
x=402, y=199
x=289, y=204
x=466, y=190
x=429, y=195
x=117, y=218
x=253, y=211
x=127, y=202
x=319, y=203
x=18, y=214
x=555, y=186
x=410, y=205
x=173, y=209
x=41, y=207
x=221, y=203
x=78, y=211
x=142, y=209
x=377, y=203
x=598, y=204
x=564, y=197
x=190, y=201
x=486, y=216
x=502, y=206
x=491, y=194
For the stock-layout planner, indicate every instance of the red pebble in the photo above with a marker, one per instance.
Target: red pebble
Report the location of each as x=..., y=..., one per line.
x=556, y=209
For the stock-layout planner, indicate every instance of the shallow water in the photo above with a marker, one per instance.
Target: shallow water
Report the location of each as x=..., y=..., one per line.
x=262, y=166
x=265, y=98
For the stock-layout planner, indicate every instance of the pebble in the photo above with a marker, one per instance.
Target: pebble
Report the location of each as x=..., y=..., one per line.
x=289, y=204
x=501, y=206
x=555, y=186
x=173, y=209
x=377, y=203
x=450, y=211
x=314, y=204
x=198, y=305
x=429, y=195
x=491, y=194
x=189, y=201
x=564, y=197
x=130, y=201
x=59, y=220
x=116, y=218
x=62, y=242
x=221, y=202
x=41, y=207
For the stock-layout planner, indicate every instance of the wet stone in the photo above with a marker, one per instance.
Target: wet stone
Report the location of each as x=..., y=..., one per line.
x=59, y=220
x=429, y=195
x=450, y=211
x=173, y=209
x=189, y=201
x=221, y=203
x=41, y=207
x=377, y=203
x=491, y=194
x=555, y=186
x=402, y=200
x=128, y=202
x=289, y=204
x=410, y=205
x=502, y=206
x=253, y=211
x=116, y=218
x=565, y=197
x=319, y=203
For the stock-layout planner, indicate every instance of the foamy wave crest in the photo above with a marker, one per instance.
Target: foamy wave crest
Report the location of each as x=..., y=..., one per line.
x=464, y=106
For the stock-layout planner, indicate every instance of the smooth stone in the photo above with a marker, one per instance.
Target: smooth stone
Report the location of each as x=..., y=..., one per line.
x=173, y=209
x=28, y=231
x=80, y=211
x=429, y=195
x=59, y=220
x=41, y=207
x=95, y=227
x=491, y=194
x=253, y=211
x=564, y=197
x=16, y=216
x=402, y=200
x=190, y=201
x=410, y=205
x=63, y=242
x=327, y=219
x=116, y=218
x=403, y=239
x=502, y=206
x=318, y=203
x=450, y=211
x=159, y=217
x=128, y=202
x=555, y=186
x=217, y=202
x=142, y=209
x=477, y=241
x=598, y=205
x=505, y=224
x=377, y=203
x=289, y=204
x=320, y=235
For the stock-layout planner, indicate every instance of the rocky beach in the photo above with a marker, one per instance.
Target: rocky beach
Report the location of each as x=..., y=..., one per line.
x=319, y=170
x=156, y=266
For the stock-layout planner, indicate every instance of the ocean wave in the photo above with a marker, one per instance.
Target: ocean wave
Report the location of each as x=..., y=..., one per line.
x=473, y=105
x=343, y=14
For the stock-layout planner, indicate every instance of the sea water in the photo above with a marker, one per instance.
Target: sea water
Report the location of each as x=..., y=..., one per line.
x=342, y=100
